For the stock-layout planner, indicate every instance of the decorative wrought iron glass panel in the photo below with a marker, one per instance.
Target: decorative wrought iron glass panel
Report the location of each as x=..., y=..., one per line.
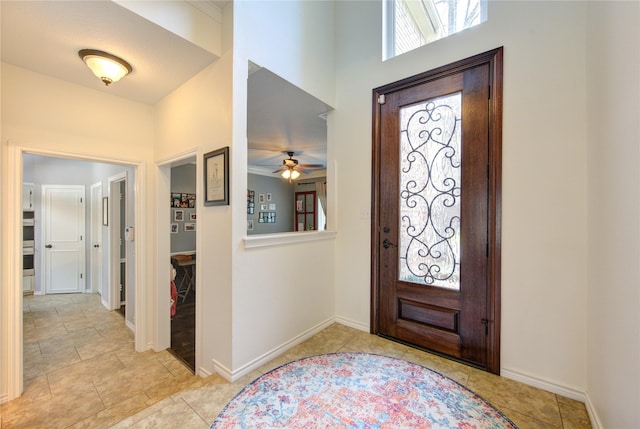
x=430, y=175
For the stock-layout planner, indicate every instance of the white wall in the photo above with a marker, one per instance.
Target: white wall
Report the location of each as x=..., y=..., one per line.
x=293, y=39
x=197, y=117
x=544, y=170
x=48, y=116
x=613, y=364
x=283, y=292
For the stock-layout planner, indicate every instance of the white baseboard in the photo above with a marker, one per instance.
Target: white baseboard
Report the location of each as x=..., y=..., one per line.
x=203, y=373
x=593, y=416
x=558, y=389
x=352, y=324
x=256, y=363
x=130, y=325
x=4, y=398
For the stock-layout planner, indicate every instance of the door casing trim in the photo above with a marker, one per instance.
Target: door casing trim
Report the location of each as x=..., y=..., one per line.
x=494, y=59
x=11, y=331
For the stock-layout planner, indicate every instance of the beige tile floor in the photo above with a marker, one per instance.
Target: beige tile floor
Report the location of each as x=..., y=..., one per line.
x=81, y=372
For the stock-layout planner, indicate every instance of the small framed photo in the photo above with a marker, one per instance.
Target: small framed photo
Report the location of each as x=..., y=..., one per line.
x=263, y=207
x=192, y=216
x=268, y=196
x=272, y=207
x=174, y=228
x=261, y=198
x=189, y=226
x=249, y=224
x=178, y=215
x=216, y=177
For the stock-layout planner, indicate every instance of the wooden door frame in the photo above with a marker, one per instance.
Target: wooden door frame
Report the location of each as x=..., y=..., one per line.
x=494, y=59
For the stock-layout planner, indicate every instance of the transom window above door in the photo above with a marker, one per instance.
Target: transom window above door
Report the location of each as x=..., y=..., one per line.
x=409, y=24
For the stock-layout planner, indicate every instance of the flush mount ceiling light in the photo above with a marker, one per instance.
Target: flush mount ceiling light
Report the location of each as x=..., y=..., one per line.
x=108, y=68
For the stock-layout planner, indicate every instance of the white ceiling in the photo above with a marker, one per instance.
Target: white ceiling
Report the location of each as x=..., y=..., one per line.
x=45, y=37
x=280, y=118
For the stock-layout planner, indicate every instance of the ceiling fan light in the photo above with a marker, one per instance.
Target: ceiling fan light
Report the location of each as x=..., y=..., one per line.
x=286, y=174
x=295, y=174
x=108, y=68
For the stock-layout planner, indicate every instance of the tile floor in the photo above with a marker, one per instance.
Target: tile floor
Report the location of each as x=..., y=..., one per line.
x=81, y=372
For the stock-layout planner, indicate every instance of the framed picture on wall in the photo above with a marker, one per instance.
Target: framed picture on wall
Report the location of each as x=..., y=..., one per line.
x=174, y=228
x=216, y=177
x=178, y=215
x=190, y=226
x=192, y=216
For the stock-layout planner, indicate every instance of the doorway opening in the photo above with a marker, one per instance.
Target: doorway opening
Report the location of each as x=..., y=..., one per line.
x=183, y=258
x=37, y=168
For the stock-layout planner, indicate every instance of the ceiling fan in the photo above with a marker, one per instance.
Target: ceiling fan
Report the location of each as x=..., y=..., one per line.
x=291, y=169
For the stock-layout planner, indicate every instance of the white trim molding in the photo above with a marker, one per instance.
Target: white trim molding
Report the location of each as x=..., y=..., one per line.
x=233, y=376
x=11, y=333
x=593, y=415
x=353, y=324
x=558, y=389
x=264, y=240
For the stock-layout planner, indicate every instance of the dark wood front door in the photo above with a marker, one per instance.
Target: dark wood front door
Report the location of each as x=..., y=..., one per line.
x=435, y=232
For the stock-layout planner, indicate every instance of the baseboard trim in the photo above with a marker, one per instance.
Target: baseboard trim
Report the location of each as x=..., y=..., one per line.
x=352, y=324
x=130, y=325
x=233, y=376
x=4, y=398
x=203, y=373
x=593, y=416
x=558, y=389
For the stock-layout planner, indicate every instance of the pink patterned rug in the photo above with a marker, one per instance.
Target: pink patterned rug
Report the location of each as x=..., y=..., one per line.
x=357, y=390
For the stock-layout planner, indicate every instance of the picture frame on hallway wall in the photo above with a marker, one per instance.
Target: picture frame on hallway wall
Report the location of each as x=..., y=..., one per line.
x=216, y=177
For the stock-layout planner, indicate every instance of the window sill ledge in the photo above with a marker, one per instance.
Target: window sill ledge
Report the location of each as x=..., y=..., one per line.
x=265, y=240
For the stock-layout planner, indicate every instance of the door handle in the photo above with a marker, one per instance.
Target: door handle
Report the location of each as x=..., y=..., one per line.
x=96, y=245
x=48, y=246
x=386, y=244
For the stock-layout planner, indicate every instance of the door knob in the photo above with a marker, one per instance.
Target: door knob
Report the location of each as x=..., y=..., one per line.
x=48, y=246
x=96, y=245
x=386, y=244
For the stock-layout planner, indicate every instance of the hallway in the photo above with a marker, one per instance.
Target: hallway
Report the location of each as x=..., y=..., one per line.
x=80, y=367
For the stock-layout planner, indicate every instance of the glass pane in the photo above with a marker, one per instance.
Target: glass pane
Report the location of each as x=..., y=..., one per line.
x=419, y=22
x=430, y=154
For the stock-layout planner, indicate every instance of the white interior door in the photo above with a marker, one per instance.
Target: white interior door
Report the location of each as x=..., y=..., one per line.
x=96, y=238
x=63, y=230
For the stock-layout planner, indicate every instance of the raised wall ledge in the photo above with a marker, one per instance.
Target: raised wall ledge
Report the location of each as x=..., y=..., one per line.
x=265, y=240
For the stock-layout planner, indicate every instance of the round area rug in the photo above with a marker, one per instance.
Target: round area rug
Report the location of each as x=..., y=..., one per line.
x=357, y=390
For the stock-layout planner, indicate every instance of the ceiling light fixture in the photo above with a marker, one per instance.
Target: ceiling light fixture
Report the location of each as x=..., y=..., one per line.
x=290, y=174
x=108, y=68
